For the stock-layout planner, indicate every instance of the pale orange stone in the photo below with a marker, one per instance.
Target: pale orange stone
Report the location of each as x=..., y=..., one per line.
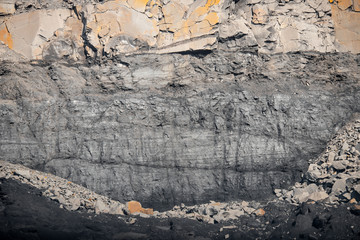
x=212, y=18
x=5, y=36
x=135, y=207
x=347, y=31
x=344, y=4
x=352, y=201
x=356, y=5
x=260, y=212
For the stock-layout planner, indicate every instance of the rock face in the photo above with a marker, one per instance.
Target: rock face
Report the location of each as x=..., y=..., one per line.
x=141, y=128
x=79, y=29
x=177, y=101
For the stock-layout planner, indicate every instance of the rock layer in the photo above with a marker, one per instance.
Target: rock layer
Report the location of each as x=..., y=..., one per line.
x=79, y=29
x=140, y=128
x=178, y=101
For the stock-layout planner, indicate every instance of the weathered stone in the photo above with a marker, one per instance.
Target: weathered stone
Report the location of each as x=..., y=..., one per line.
x=249, y=210
x=135, y=207
x=101, y=207
x=60, y=199
x=318, y=196
x=357, y=188
x=356, y=5
x=74, y=204
x=300, y=195
x=313, y=172
x=259, y=14
x=24, y=173
x=331, y=157
x=260, y=212
x=7, y=8
x=211, y=210
x=346, y=30
x=31, y=31
x=344, y=4
x=339, y=187
x=338, y=166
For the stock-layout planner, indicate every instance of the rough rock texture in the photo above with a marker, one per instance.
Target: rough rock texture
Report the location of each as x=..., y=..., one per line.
x=334, y=176
x=178, y=101
x=98, y=29
x=177, y=128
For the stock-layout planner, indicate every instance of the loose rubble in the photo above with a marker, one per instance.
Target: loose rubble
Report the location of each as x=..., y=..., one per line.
x=71, y=196
x=333, y=177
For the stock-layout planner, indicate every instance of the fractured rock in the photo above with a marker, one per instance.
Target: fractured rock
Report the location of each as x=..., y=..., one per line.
x=338, y=165
x=259, y=14
x=339, y=187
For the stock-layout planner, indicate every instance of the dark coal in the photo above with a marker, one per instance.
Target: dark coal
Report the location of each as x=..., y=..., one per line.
x=25, y=214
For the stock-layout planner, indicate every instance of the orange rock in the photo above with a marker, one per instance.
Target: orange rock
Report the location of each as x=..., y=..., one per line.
x=5, y=36
x=347, y=32
x=134, y=207
x=215, y=204
x=352, y=200
x=260, y=212
x=344, y=4
x=356, y=5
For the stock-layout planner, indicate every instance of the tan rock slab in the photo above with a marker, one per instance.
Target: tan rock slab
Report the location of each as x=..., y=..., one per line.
x=7, y=8
x=135, y=207
x=344, y=4
x=347, y=31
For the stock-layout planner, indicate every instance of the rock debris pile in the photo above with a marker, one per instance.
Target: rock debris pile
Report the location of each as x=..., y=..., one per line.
x=334, y=177
x=215, y=212
x=70, y=195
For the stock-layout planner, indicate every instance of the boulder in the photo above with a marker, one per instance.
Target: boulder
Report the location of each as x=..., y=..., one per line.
x=259, y=14
x=357, y=188
x=318, y=196
x=339, y=187
x=338, y=165
x=101, y=207
x=73, y=204
x=331, y=157
x=260, y=212
x=135, y=207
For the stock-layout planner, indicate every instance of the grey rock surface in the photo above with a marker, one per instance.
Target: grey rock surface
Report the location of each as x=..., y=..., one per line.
x=177, y=128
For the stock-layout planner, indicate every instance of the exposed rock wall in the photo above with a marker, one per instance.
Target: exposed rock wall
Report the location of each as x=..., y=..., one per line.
x=186, y=101
x=75, y=29
x=177, y=128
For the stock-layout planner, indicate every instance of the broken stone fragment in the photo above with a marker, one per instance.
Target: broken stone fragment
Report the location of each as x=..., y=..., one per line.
x=339, y=187
x=24, y=173
x=101, y=207
x=318, y=196
x=344, y=4
x=356, y=5
x=260, y=212
x=331, y=157
x=313, y=172
x=7, y=8
x=134, y=207
x=74, y=204
x=338, y=165
x=259, y=14
x=357, y=188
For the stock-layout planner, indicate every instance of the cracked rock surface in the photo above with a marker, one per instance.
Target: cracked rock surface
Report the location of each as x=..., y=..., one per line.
x=141, y=128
